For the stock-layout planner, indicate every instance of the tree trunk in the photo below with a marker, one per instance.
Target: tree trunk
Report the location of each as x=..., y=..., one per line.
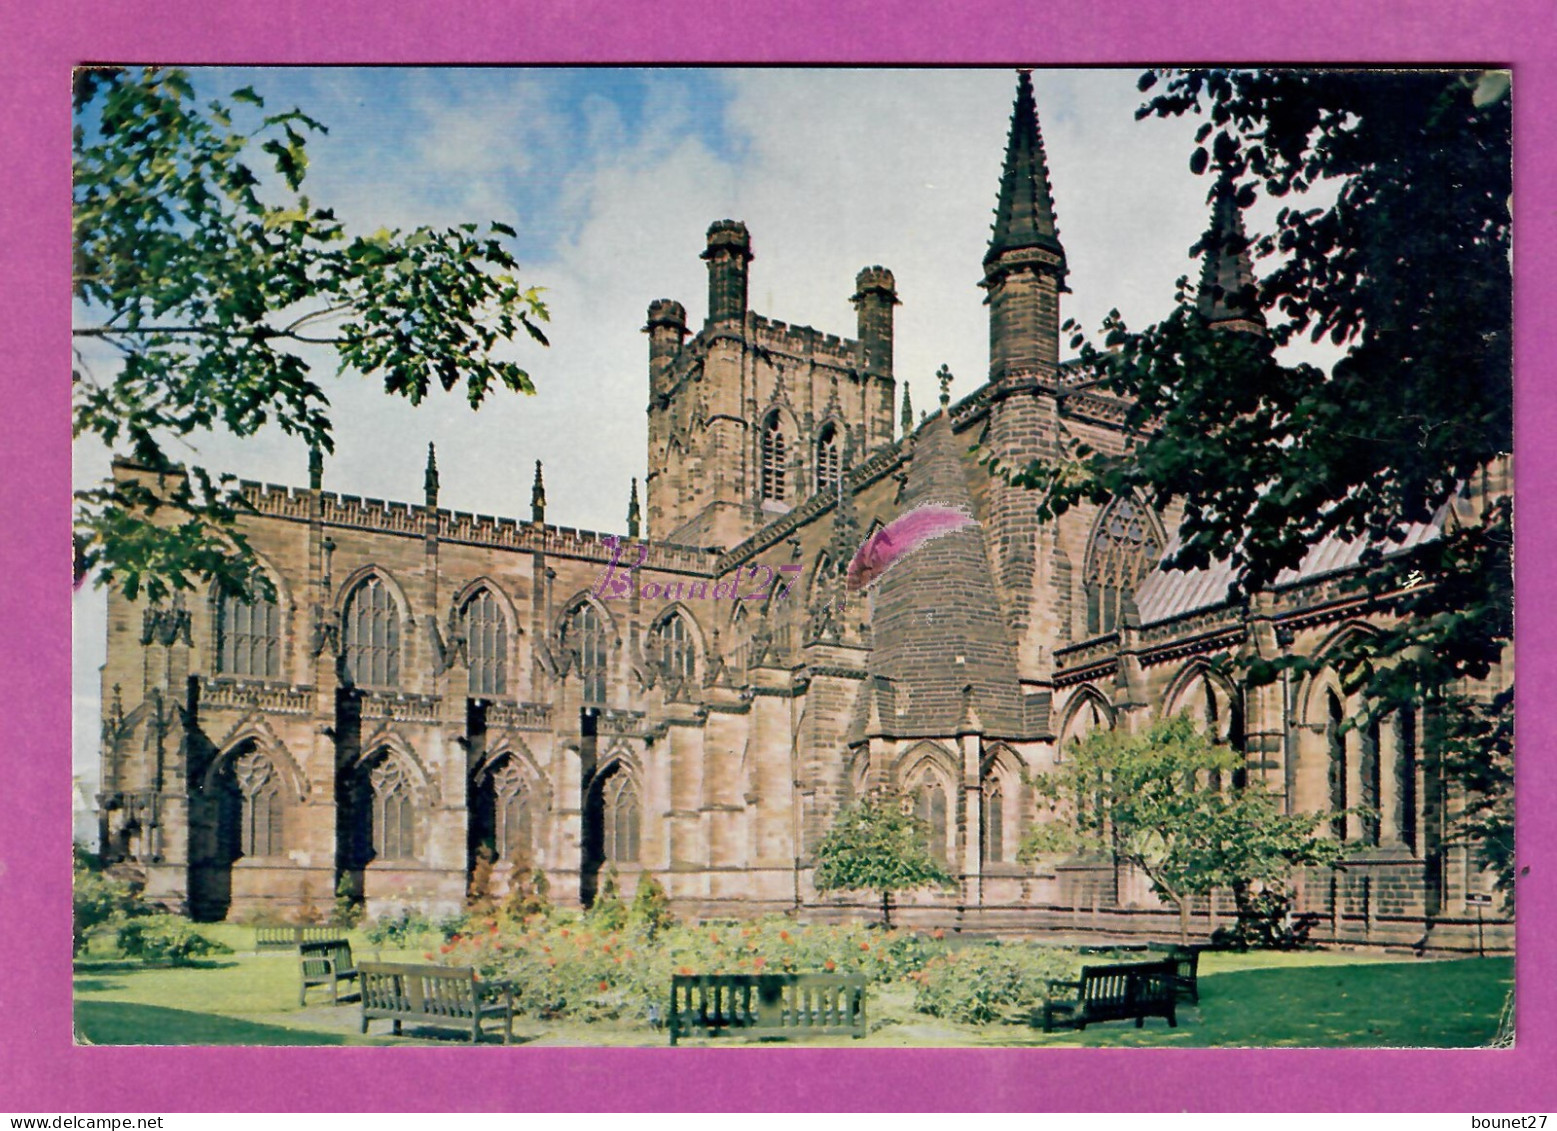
x=886, y=910
x=1183, y=902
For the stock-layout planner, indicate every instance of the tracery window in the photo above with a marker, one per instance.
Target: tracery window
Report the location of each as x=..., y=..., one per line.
x=248, y=638
x=622, y=819
x=930, y=807
x=513, y=816
x=586, y=639
x=486, y=645
x=259, y=828
x=994, y=822
x=372, y=636
x=1124, y=548
x=678, y=654
x=394, y=812
x=829, y=460
x=774, y=455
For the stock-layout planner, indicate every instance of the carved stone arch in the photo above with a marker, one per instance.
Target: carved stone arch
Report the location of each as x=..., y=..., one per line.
x=387, y=739
x=917, y=759
x=1002, y=801
x=619, y=756
x=361, y=574
x=577, y=601
x=1307, y=697
x=256, y=729
x=1000, y=758
x=470, y=589
x=1188, y=682
x=1084, y=697
x=519, y=752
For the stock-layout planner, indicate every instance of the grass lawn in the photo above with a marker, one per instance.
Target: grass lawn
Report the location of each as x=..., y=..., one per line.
x=1310, y=998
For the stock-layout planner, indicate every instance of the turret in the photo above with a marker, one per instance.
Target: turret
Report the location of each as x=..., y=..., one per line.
x=728, y=256
x=874, y=297
x=1024, y=269
x=667, y=330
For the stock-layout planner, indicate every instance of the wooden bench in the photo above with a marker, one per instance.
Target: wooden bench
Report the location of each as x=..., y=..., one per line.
x=1116, y=993
x=325, y=963
x=444, y=996
x=286, y=938
x=766, y=1006
x=1186, y=963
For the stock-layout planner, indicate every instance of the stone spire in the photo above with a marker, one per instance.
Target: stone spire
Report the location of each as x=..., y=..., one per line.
x=936, y=622
x=1024, y=268
x=1226, y=296
x=538, y=497
x=315, y=467
x=1024, y=218
x=908, y=411
x=430, y=478
x=634, y=513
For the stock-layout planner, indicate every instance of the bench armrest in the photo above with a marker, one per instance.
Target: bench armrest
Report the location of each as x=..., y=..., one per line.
x=1056, y=982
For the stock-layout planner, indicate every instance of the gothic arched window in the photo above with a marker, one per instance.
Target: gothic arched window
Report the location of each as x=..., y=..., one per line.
x=1335, y=740
x=259, y=829
x=774, y=456
x=678, y=655
x=622, y=816
x=394, y=812
x=372, y=636
x=930, y=807
x=829, y=460
x=586, y=639
x=1124, y=548
x=248, y=638
x=513, y=817
x=994, y=822
x=486, y=644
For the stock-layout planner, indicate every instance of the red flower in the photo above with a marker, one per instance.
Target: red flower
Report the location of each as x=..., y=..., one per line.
x=604, y=985
x=784, y=935
x=428, y=956
x=937, y=933
x=829, y=965
x=684, y=970
x=445, y=948
x=865, y=946
x=564, y=932
x=759, y=962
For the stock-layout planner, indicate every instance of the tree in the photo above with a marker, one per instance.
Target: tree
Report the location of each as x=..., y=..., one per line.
x=204, y=269
x=1408, y=272
x=1154, y=800
x=877, y=845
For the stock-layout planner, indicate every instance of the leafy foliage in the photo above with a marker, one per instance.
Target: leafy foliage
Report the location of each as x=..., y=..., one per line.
x=1408, y=271
x=877, y=845
x=165, y=939
x=204, y=267
x=1154, y=800
x=980, y=984
x=97, y=896
x=650, y=911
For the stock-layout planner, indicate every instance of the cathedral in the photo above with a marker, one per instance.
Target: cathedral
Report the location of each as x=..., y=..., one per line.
x=696, y=697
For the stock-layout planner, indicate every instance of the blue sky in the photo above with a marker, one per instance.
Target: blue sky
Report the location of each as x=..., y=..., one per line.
x=611, y=177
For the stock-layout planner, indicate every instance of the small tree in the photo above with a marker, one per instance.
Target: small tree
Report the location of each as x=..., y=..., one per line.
x=877, y=845
x=1155, y=800
x=651, y=907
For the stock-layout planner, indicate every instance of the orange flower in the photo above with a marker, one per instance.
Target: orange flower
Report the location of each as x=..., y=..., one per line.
x=784, y=935
x=759, y=962
x=865, y=946
x=428, y=956
x=684, y=970
x=829, y=965
x=445, y=948
x=493, y=929
x=564, y=932
x=604, y=985
x=937, y=933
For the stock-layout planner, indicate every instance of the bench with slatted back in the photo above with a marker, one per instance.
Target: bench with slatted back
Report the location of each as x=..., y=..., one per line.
x=325, y=963
x=766, y=1006
x=1115, y=993
x=1186, y=967
x=288, y=937
x=447, y=997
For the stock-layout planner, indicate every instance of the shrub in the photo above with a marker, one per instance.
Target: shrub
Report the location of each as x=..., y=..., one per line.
x=1265, y=921
x=348, y=908
x=98, y=897
x=608, y=912
x=167, y=939
x=650, y=911
x=977, y=984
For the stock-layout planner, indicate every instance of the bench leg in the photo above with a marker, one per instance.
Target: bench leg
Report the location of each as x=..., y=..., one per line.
x=396, y=1024
x=302, y=995
x=1173, y=1021
x=508, y=1026
x=1140, y=1020
x=364, y=1024
x=335, y=993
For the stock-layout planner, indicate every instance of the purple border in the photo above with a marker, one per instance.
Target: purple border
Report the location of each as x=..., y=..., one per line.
x=45, y=1072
